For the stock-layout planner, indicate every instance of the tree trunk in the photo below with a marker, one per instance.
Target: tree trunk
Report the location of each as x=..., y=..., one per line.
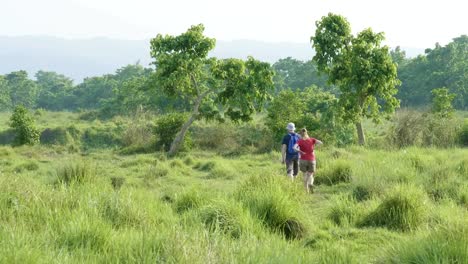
x=360, y=133
x=175, y=145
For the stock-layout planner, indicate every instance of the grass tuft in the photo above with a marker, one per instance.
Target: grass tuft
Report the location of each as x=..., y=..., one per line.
x=404, y=208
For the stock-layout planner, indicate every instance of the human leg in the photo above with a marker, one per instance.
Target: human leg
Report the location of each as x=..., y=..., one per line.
x=290, y=168
x=295, y=166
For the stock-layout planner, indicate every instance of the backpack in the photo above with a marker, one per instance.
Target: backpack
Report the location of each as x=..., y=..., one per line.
x=292, y=142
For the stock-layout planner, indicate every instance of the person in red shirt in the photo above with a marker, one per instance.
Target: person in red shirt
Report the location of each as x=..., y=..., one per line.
x=307, y=163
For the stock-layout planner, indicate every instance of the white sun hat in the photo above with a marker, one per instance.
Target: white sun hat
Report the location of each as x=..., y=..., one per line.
x=291, y=127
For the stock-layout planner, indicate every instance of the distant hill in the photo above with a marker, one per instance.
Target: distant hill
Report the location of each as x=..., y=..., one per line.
x=80, y=58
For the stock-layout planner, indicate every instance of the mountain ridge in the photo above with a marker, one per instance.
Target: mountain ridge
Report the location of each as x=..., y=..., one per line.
x=81, y=58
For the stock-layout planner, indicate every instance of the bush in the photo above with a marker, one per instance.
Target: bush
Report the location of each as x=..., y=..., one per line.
x=406, y=128
x=97, y=137
x=463, y=135
x=422, y=129
x=23, y=125
x=441, y=132
x=166, y=129
x=404, y=209
x=339, y=171
x=7, y=137
x=75, y=173
x=138, y=133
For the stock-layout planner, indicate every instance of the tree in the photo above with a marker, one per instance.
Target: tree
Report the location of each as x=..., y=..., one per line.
x=5, y=100
x=93, y=91
x=312, y=108
x=439, y=67
x=23, y=125
x=55, y=90
x=23, y=91
x=398, y=56
x=442, y=102
x=362, y=69
x=224, y=88
x=296, y=74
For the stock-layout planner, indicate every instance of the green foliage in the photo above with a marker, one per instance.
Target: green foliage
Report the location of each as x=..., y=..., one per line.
x=191, y=199
x=56, y=136
x=229, y=87
x=76, y=172
x=413, y=128
x=362, y=69
x=404, y=208
x=55, y=91
x=23, y=125
x=463, y=134
x=344, y=211
x=166, y=127
x=442, y=102
x=311, y=108
x=5, y=100
x=117, y=182
x=23, y=91
x=439, y=67
x=296, y=74
x=447, y=245
x=273, y=205
x=337, y=172
x=27, y=166
x=228, y=217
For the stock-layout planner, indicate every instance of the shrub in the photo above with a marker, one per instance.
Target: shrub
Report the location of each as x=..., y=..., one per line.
x=440, y=131
x=54, y=136
x=463, y=135
x=97, y=137
x=406, y=128
x=138, y=133
x=404, y=209
x=75, y=173
x=23, y=125
x=228, y=217
x=339, y=171
x=7, y=137
x=166, y=129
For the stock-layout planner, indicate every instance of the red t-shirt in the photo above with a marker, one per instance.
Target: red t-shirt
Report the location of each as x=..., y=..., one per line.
x=307, y=146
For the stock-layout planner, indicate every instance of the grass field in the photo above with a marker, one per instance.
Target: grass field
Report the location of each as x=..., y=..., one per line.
x=100, y=206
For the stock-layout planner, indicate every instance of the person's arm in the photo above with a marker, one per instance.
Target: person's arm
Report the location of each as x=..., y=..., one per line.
x=296, y=148
x=283, y=153
x=318, y=142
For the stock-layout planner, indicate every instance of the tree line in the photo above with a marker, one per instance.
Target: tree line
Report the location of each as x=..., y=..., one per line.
x=131, y=86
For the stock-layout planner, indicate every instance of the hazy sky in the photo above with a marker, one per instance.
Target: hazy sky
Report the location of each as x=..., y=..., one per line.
x=410, y=23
